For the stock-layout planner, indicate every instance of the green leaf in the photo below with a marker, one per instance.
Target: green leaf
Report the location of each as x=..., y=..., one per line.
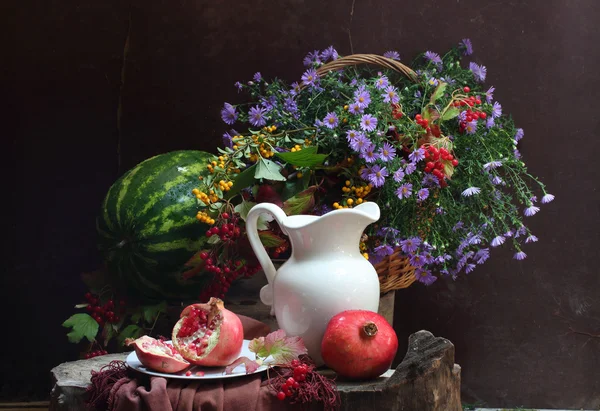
x=439, y=92
x=131, y=331
x=242, y=180
x=307, y=157
x=244, y=208
x=450, y=113
x=151, y=312
x=301, y=202
x=83, y=325
x=269, y=239
x=136, y=317
x=269, y=170
x=214, y=239
x=283, y=349
x=108, y=332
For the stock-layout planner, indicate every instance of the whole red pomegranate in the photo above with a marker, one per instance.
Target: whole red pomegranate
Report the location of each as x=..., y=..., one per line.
x=359, y=344
x=157, y=355
x=208, y=334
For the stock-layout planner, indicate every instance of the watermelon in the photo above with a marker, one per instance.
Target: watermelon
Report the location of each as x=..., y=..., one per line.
x=148, y=228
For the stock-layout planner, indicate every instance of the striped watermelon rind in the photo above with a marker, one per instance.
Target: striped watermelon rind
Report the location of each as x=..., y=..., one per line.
x=148, y=228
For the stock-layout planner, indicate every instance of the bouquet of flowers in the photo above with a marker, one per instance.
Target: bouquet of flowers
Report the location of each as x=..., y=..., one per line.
x=428, y=143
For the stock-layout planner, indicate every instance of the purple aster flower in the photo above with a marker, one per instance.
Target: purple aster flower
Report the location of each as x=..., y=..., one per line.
x=411, y=167
x=469, y=268
x=429, y=180
x=257, y=76
x=422, y=194
x=509, y=233
x=417, y=260
x=352, y=135
x=398, y=175
x=479, y=72
x=471, y=191
x=256, y=116
x=331, y=120
x=466, y=46
x=531, y=239
x=433, y=81
x=531, y=210
x=384, y=250
x=489, y=95
x=497, y=180
x=329, y=54
x=410, y=245
x=394, y=55
x=492, y=165
x=368, y=153
x=521, y=231
x=448, y=80
x=433, y=58
x=239, y=86
x=368, y=122
x=362, y=97
x=228, y=114
x=377, y=176
x=519, y=134
x=496, y=110
x=404, y=191
x=228, y=139
x=381, y=83
x=547, y=198
x=364, y=173
x=490, y=122
x=520, y=256
x=387, y=152
x=482, y=255
x=471, y=127
x=474, y=239
x=359, y=142
x=390, y=95
x=312, y=57
x=458, y=226
x=269, y=103
x=517, y=154
x=309, y=78
x=289, y=104
x=425, y=276
x=295, y=88
x=355, y=108
x=416, y=156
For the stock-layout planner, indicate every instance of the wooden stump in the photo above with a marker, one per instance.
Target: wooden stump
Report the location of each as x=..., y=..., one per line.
x=426, y=380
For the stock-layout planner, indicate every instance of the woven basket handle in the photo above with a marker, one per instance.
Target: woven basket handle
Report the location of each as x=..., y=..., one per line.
x=375, y=59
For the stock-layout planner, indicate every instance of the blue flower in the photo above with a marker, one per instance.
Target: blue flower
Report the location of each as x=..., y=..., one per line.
x=310, y=78
x=404, y=191
x=416, y=156
x=256, y=116
x=471, y=191
x=425, y=276
x=394, y=55
x=410, y=245
x=479, y=72
x=466, y=46
x=368, y=122
x=331, y=120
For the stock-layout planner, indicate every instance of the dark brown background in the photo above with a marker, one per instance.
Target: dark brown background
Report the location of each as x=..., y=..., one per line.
x=510, y=320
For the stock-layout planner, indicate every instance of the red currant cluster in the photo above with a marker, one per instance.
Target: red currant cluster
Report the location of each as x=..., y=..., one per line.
x=423, y=122
x=93, y=354
x=225, y=274
x=227, y=231
x=293, y=383
x=434, y=162
x=103, y=313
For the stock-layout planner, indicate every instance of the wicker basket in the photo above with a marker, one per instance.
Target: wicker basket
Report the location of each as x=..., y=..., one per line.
x=395, y=271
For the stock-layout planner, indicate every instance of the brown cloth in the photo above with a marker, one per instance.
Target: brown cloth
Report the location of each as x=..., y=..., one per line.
x=230, y=394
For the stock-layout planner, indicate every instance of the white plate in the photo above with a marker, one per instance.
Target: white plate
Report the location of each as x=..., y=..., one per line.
x=210, y=373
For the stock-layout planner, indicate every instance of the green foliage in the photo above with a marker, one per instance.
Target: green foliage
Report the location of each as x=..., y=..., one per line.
x=82, y=326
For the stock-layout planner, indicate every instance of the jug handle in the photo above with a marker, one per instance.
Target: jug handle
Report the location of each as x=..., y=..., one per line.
x=266, y=294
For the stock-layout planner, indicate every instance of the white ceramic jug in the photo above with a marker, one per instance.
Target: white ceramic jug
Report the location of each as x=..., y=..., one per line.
x=326, y=273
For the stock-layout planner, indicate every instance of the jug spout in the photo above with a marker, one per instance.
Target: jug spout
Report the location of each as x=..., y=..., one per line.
x=370, y=211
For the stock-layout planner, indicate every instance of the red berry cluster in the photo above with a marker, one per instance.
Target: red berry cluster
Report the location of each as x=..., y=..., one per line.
x=434, y=159
x=228, y=231
x=93, y=354
x=103, y=313
x=225, y=273
x=423, y=122
x=293, y=383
